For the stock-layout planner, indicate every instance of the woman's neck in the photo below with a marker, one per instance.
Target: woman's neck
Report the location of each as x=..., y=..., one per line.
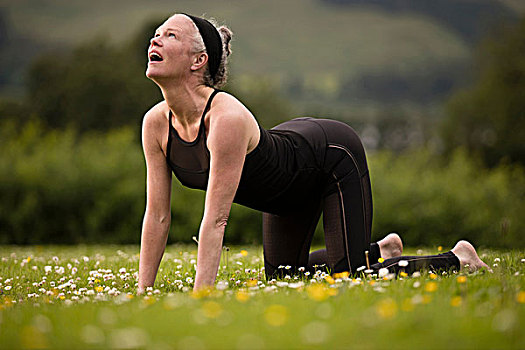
x=186, y=101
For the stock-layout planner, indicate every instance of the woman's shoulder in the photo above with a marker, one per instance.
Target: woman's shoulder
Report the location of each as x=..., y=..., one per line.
x=225, y=104
x=156, y=116
x=158, y=110
x=230, y=116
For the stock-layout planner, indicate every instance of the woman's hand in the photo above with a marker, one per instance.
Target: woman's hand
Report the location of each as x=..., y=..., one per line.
x=157, y=217
x=231, y=130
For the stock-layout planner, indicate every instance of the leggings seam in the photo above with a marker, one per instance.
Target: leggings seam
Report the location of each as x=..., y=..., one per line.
x=347, y=151
x=341, y=199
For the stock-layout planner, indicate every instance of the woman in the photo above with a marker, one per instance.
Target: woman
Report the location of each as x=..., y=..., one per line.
x=291, y=173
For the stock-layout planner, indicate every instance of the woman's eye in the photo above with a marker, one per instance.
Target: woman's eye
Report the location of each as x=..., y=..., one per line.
x=171, y=35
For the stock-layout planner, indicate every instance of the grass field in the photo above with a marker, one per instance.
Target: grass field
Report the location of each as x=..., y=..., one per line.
x=83, y=297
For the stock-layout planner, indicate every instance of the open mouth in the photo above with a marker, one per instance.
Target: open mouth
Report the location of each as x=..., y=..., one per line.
x=155, y=57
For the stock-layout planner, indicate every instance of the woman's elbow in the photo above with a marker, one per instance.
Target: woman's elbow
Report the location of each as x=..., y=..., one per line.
x=215, y=222
x=158, y=219
x=164, y=220
x=221, y=221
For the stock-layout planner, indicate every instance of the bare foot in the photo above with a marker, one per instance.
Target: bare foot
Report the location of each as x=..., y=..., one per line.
x=391, y=246
x=467, y=255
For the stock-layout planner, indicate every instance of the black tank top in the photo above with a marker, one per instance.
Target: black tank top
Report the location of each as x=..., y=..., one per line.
x=276, y=175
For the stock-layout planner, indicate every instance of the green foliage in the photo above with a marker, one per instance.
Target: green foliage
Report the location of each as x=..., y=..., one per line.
x=431, y=202
x=57, y=187
x=260, y=96
x=14, y=111
x=97, y=87
x=488, y=119
x=394, y=88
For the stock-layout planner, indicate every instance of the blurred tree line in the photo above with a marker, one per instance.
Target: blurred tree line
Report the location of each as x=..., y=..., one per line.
x=488, y=118
x=72, y=171
x=16, y=52
x=101, y=86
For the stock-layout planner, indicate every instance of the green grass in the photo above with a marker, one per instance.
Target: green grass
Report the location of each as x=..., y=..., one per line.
x=427, y=311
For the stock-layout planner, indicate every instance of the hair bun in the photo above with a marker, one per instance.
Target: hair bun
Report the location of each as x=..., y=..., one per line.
x=226, y=35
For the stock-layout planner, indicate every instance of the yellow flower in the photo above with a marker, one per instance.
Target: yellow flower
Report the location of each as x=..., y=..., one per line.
x=129, y=296
x=407, y=305
x=244, y=253
x=456, y=301
x=342, y=275
x=427, y=298
x=28, y=259
x=252, y=282
x=211, y=309
x=432, y=276
x=372, y=282
x=332, y=292
x=461, y=279
x=329, y=279
x=97, y=280
x=201, y=293
x=403, y=274
x=317, y=292
x=440, y=248
x=276, y=315
x=386, y=309
x=381, y=260
x=99, y=289
x=61, y=297
x=520, y=297
x=149, y=300
x=242, y=296
x=431, y=287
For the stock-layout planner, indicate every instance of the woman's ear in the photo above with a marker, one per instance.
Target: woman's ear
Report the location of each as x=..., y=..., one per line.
x=199, y=60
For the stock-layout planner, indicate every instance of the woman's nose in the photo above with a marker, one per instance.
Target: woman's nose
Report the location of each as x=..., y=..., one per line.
x=155, y=41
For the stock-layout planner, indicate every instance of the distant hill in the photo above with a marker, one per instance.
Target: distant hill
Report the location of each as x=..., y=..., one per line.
x=337, y=52
x=470, y=19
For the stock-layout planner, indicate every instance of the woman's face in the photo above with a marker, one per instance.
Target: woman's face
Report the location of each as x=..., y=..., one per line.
x=170, y=51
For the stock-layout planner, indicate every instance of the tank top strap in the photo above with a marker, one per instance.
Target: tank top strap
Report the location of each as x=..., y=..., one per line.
x=202, y=129
x=201, y=126
x=170, y=117
x=207, y=108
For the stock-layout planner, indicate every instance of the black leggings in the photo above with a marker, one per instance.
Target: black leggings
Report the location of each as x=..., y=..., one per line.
x=346, y=203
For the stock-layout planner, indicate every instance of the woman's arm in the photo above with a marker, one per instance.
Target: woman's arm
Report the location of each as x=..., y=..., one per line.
x=157, y=217
x=230, y=132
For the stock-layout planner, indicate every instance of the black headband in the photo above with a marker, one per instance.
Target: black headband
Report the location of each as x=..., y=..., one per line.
x=212, y=41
